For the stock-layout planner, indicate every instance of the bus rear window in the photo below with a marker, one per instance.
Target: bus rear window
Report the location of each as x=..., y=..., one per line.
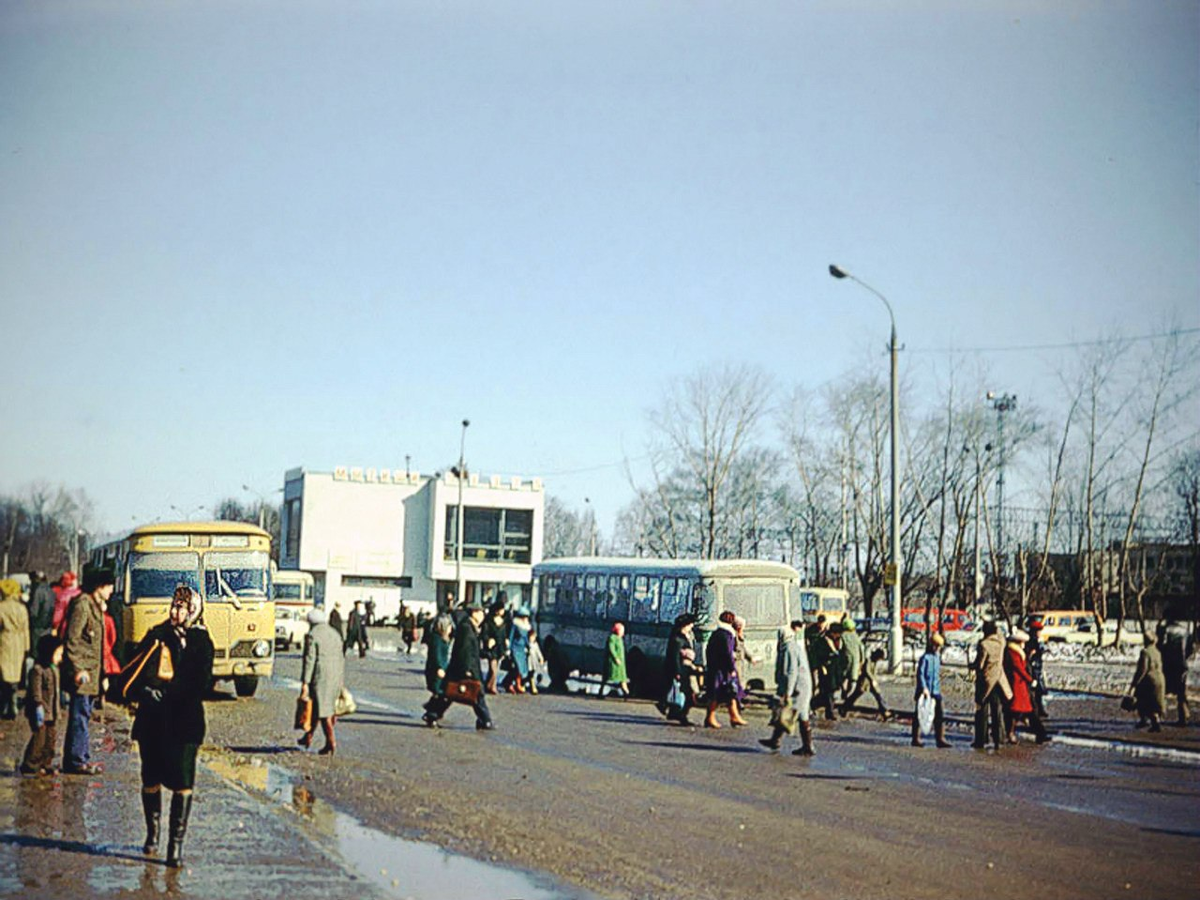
x=758, y=604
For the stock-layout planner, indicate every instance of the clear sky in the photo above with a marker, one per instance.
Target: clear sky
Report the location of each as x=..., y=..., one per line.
x=237, y=237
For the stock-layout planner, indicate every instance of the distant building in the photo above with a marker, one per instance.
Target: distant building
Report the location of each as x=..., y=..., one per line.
x=381, y=535
x=1167, y=572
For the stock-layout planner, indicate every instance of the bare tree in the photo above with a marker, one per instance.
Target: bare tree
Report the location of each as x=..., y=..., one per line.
x=705, y=423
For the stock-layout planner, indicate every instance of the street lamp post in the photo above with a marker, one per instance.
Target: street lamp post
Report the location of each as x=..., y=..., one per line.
x=461, y=474
x=896, y=642
x=262, y=504
x=591, y=526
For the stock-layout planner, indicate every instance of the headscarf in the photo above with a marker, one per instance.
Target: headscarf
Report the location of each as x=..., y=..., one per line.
x=9, y=589
x=317, y=616
x=195, y=613
x=618, y=629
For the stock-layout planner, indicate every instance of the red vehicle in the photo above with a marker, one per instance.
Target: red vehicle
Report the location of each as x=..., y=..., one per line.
x=912, y=620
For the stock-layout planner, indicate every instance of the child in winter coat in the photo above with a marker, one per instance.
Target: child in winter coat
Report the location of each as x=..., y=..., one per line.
x=42, y=707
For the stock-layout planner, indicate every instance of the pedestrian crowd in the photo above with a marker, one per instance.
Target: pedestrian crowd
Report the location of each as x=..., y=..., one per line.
x=59, y=646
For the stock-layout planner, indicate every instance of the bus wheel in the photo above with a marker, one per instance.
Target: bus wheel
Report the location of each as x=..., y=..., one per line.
x=245, y=685
x=556, y=665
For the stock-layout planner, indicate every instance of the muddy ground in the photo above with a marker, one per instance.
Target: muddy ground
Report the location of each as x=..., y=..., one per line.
x=606, y=798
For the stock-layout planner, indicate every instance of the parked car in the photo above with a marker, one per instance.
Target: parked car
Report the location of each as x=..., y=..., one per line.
x=1131, y=633
x=1058, y=625
x=291, y=625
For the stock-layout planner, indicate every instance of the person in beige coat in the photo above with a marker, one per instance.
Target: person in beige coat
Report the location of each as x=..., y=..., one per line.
x=991, y=686
x=14, y=645
x=1149, y=687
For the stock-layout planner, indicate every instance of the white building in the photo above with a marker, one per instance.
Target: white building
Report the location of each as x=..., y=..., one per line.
x=381, y=535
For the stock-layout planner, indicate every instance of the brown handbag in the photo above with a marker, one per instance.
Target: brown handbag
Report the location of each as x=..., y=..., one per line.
x=304, y=709
x=466, y=691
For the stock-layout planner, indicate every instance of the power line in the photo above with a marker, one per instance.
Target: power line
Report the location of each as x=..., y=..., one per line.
x=1178, y=332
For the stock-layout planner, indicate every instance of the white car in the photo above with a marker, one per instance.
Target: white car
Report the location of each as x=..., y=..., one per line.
x=1085, y=633
x=291, y=625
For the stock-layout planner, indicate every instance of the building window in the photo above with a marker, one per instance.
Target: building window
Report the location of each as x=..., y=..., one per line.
x=490, y=535
x=291, y=511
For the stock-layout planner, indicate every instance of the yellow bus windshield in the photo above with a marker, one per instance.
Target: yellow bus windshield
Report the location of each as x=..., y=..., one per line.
x=156, y=575
x=236, y=575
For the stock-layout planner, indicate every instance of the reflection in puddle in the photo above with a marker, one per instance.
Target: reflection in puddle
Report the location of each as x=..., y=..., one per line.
x=400, y=868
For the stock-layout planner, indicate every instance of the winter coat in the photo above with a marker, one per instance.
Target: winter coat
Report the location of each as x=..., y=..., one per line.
x=820, y=652
x=493, y=637
x=14, y=639
x=1175, y=645
x=1018, y=678
x=518, y=647
x=438, y=658
x=323, y=668
x=791, y=664
x=84, y=646
x=179, y=713
x=989, y=668
x=1149, y=685
x=41, y=611
x=335, y=621
x=356, y=629
x=720, y=670
x=44, y=692
x=614, y=660
x=62, y=606
x=853, y=654
x=111, y=666
x=464, y=655
x=676, y=665
x=929, y=675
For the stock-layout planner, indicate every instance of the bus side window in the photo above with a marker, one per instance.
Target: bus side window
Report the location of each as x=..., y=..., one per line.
x=618, y=607
x=545, y=593
x=600, y=598
x=674, y=599
x=645, y=599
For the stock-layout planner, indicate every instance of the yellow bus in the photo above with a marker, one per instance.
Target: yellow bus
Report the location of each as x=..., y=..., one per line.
x=228, y=562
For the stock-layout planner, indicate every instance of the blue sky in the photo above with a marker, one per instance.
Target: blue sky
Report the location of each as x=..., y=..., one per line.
x=241, y=237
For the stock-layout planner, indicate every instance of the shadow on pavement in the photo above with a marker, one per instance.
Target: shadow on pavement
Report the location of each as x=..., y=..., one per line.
x=22, y=840
x=732, y=748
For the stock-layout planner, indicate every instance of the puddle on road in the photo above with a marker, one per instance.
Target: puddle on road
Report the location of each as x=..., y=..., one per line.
x=405, y=869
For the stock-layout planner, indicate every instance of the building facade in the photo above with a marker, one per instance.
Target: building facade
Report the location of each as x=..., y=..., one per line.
x=390, y=536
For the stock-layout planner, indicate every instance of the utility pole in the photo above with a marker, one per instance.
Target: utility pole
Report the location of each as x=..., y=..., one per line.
x=1002, y=404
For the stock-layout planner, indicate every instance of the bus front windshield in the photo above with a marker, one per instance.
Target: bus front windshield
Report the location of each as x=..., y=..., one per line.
x=156, y=575
x=236, y=576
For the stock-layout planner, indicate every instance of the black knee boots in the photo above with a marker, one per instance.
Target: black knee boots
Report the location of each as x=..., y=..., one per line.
x=181, y=808
x=152, y=808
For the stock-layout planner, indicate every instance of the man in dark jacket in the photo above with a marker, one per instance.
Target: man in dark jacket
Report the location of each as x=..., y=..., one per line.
x=464, y=666
x=83, y=668
x=41, y=608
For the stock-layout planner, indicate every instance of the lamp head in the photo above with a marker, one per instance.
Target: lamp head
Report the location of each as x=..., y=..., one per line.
x=466, y=422
x=836, y=272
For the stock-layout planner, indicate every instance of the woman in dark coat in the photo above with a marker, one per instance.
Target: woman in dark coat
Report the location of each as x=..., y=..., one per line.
x=169, y=726
x=720, y=668
x=681, y=671
x=493, y=639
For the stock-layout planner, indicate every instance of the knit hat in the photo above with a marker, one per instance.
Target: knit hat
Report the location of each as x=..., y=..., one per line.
x=937, y=640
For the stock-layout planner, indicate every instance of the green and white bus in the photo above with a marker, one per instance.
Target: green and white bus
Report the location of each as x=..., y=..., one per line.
x=577, y=601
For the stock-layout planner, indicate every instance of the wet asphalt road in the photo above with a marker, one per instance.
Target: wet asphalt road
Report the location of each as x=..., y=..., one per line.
x=603, y=796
